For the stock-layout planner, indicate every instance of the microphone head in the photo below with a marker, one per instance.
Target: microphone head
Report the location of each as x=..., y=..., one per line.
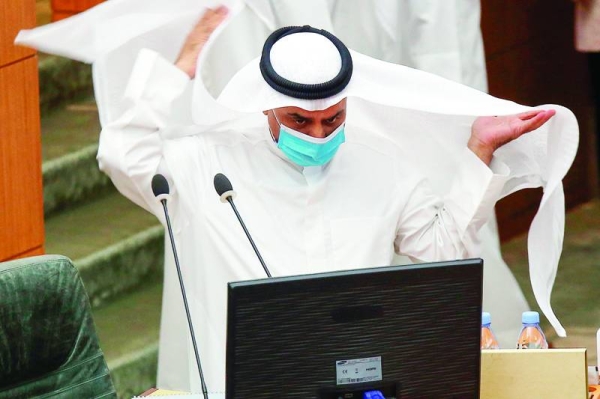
x=160, y=185
x=222, y=184
x=223, y=187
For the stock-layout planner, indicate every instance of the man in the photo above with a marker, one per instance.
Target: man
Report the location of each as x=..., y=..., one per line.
x=438, y=37
x=320, y=184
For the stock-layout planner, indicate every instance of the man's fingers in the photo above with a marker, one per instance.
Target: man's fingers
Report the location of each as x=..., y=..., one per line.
x=533, y=113
x=216, y=16
x=529, y=114
x=211, y=19
x=536, y=120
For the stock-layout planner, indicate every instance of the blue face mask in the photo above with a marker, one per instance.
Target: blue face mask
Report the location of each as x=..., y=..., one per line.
x=305, y=150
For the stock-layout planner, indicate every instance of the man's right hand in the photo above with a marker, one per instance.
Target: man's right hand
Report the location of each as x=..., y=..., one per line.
x=197, y=38
x=488, y=133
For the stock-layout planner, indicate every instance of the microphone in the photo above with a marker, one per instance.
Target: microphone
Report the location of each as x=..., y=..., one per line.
x=225, y=191
x=160, y=188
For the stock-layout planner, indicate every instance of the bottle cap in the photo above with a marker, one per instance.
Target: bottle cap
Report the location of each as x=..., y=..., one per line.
x=486, y=318
x=530, y=317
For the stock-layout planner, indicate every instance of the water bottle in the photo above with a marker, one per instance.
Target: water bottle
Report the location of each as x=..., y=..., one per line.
x=488, y=339
x=531, y=336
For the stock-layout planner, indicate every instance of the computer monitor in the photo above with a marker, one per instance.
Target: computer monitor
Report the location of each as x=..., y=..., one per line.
x=408, y=331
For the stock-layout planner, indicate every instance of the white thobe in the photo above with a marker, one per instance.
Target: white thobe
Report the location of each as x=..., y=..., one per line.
x=354, y=212
x=442, y=37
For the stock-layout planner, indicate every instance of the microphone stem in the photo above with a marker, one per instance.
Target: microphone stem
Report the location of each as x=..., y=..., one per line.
x=262, y=262
x=185, y=302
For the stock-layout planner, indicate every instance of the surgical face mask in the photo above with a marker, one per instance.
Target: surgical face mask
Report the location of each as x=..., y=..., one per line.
x=305, y=150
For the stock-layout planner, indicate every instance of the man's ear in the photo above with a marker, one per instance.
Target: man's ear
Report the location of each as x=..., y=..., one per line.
x=265, y=112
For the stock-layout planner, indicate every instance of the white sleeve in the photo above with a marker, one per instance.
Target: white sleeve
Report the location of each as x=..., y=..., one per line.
x=434, y=228
x=130, y=150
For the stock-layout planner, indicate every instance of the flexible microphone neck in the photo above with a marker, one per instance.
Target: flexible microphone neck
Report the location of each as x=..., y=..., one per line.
x=160, y=188
x=225, y=190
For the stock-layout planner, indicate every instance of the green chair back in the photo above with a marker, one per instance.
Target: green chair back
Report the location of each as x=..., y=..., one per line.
x=48, y=343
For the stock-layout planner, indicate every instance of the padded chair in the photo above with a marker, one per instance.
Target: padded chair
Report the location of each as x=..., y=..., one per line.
x=48, y=343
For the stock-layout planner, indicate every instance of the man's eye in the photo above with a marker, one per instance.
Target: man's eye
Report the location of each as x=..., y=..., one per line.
x=332, y=119
x=300, y=121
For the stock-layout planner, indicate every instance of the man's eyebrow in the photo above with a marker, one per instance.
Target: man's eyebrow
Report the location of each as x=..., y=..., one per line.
x=336, y=115
x=296, y=115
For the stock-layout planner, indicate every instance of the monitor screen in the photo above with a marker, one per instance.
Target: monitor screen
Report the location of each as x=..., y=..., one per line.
x=407, y=331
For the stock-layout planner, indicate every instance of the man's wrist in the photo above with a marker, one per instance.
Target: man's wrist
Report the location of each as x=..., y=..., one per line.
x=483, y=151
x=187, y=66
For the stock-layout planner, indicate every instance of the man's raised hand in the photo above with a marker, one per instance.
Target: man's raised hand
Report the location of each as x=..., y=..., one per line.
x=196, y=39
x=488, y=133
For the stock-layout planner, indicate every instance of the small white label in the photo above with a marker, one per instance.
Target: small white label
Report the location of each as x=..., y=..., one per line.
x=355, y=371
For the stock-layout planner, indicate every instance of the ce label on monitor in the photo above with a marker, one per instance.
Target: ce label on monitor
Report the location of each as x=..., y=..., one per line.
x=358, y=370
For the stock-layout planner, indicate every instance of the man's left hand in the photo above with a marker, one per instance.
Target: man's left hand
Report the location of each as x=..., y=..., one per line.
x=488, y=133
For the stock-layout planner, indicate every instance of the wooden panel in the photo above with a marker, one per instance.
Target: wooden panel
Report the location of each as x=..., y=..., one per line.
x=64, y=5
x=57, y=15
x=531, y=60
x=21, y=218
x=65, y=8
x=516, y=212
x=28, y=254
x=14, y=16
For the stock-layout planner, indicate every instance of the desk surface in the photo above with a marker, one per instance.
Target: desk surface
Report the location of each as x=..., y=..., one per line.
x=162, y=392
x=156, y=392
